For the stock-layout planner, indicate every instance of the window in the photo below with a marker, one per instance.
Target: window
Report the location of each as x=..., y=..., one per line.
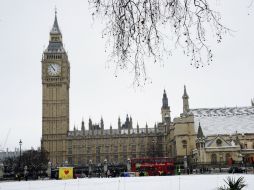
x=70, y=160
x=69, y=144
x=115, y=158
x=133, y=148
x=218, y=142
x=184, y=143
x=69, y=150
x=213, y=158
x=142, y=148
x=98, y=150
x=89, y=150
x=107, y=149
x=115, y=149
x=125, y=157
x=124, y=148
x=98, y=153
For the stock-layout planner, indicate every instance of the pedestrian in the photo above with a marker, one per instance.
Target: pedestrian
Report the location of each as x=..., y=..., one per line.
x=108, y=173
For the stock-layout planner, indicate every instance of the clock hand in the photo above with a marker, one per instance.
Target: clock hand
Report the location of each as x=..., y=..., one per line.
x=52, y=67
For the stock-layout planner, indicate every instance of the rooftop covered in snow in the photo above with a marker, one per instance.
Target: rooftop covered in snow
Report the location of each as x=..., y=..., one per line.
x=224, y=120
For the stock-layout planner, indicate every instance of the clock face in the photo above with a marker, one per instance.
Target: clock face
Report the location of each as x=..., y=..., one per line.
x=54, y=69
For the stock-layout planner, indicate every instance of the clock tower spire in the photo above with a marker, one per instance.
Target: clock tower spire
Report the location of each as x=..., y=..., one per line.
x=55, y=96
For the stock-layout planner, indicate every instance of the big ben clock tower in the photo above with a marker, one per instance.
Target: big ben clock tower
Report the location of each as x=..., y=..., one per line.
x=55, y=97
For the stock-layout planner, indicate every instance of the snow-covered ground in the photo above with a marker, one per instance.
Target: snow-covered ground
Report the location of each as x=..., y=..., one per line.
x=183, y=182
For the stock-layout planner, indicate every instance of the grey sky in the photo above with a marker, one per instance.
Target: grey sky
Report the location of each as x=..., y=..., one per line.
x=95, y=92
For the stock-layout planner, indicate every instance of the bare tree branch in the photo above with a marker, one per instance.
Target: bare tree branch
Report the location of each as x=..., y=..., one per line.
x=135, y=31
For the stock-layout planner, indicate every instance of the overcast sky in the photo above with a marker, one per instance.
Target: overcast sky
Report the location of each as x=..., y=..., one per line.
x=94, y=91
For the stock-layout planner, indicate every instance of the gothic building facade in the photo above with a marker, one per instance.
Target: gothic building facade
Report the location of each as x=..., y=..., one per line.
x=187, y=135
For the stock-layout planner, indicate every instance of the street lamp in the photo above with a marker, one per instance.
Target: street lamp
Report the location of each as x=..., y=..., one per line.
x=1, y=170
x=128, y=164
x=49, y=169
x=20, y=143
x=90, y=168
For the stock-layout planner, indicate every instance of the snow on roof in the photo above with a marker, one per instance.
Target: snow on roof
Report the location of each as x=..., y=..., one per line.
x=224, y=120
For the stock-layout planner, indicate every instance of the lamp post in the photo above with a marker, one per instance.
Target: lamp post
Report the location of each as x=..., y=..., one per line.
x=90, y=168
x=49, y=169
x=128, y=164
x=1, y=170
x=25, y=172
x=105, y=167
x=20, y=143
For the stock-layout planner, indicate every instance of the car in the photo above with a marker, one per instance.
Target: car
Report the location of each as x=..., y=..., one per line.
x=235, y=169
x=128, y=174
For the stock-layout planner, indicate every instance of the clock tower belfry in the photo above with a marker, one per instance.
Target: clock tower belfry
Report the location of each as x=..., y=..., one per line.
x=55, y=97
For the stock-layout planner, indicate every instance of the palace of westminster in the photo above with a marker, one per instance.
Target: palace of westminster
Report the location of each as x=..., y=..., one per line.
x=207, y=135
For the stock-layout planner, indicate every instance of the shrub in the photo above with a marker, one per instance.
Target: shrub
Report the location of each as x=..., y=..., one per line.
x=233, y=184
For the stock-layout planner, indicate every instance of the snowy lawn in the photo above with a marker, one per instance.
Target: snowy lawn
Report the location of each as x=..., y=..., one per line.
x=183, y=182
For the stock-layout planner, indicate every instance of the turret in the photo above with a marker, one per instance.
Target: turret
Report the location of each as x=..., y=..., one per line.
x=165, y=100
x=127, y=119
x=90, y=124
x=130, y=123
x=200, y=142
x=110, y=129
x=185, y=101
x=83, y=127
x=200, y=134
x=102, y=124
x=165, y=109
x=119, y=123
x=74, y=129
x=146, y=128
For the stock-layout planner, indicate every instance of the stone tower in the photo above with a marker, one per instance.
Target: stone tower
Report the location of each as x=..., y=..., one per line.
x=185, y=101
x=200, y=144
x=165, y=109
x=55, y=97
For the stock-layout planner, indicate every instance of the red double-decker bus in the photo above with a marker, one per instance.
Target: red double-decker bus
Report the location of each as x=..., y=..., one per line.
x=153, y=166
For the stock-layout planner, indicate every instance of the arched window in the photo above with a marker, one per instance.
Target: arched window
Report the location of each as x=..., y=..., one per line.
x=184, y=142
x=213, y=158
